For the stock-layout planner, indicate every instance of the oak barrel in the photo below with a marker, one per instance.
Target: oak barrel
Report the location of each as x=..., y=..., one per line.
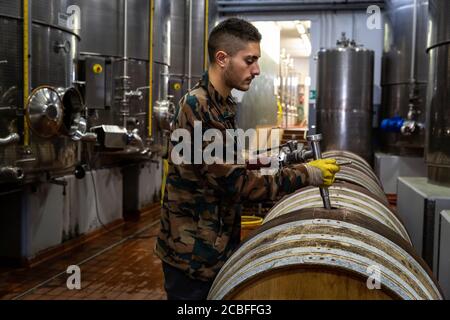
x=316, y=253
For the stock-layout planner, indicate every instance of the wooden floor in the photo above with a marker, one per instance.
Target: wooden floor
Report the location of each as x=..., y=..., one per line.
x=118, y=265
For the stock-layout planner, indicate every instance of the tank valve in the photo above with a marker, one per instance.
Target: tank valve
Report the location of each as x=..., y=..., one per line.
x=10, y=139
x=11, y=174
x=400, y=125
x=80, y=171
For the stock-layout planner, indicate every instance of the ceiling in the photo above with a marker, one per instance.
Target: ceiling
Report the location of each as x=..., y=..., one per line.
x=232, y=7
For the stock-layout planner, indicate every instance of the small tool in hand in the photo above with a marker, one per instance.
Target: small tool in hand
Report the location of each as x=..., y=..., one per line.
x=344, y=163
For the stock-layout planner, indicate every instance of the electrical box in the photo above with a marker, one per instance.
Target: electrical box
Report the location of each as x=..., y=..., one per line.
x=111, y=137
x=95, y=89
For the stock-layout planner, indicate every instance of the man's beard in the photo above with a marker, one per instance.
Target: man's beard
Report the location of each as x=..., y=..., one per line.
x=230, y=80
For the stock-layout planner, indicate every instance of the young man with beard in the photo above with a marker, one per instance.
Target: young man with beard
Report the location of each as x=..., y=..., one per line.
x=200, y=221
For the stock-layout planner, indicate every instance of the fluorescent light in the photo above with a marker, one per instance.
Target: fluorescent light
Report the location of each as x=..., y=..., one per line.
x=300, y=28
x=307, y=43
x=307, y=81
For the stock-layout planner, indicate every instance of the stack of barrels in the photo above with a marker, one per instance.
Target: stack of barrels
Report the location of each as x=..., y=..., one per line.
x=357, y=250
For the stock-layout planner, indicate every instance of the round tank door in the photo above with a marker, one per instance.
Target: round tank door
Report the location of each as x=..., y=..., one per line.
x=44, y=112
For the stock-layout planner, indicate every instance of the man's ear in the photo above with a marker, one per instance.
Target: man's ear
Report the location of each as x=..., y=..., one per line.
x=221, y=58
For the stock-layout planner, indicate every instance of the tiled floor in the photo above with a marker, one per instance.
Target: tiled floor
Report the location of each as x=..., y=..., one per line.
x=118, y=265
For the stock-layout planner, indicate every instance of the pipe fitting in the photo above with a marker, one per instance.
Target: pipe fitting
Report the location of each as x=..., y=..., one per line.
x=13, y=138
x=402, y=126
x=11, y=174
x=135, y=139
x=88, y=137
x=410, y=127
x=393, y=124
x=134, y=94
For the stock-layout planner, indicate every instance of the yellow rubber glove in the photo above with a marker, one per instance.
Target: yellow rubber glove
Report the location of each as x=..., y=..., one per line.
x=325, y=177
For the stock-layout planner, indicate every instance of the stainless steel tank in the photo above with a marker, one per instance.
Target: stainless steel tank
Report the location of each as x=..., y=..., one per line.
x=161, y=36
x=185, y=65
x=54, y=50
x=344, y=98
x=102, y=27
x=404, y=74
x=438, y=98
x=104, y=41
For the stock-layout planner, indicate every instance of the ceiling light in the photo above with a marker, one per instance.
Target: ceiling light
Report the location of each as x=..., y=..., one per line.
x=300, y=28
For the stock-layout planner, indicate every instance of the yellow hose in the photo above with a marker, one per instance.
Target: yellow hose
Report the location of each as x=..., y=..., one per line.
x=26, y=65
x=163, y=184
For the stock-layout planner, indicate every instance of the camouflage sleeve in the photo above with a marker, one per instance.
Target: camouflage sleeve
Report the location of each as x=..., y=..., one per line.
x=234, y=181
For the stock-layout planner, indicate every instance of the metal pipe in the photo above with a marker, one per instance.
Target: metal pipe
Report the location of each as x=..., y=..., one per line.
x=150, y=94
x=315, y=146
x=135, y=139
x=190, y=45
x=413, y=49
x=88, y=137
x=125, y=38
x=125, y=64
x=11, y=174
x=10, y=139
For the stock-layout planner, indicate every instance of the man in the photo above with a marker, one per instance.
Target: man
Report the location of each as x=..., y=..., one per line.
x=200, y=222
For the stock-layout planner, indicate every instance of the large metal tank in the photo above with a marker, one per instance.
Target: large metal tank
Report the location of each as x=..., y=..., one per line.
x=105, y=38
x=161, y=38
x=54, y=49
x=187, y=40
x=438, y=98
x=404, y=74
x=344, y=98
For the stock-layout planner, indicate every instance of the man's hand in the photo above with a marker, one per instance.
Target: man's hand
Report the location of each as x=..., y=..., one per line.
x=321, y=172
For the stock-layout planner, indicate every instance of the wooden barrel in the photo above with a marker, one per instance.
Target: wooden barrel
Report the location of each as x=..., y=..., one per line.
x=342, y=195
x=316, y=253
x=357, y=161
x=359, y=172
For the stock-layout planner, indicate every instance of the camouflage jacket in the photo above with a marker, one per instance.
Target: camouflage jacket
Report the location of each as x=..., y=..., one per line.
x=200, y=219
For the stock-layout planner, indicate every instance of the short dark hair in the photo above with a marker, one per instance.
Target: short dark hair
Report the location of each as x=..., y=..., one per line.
x=231, y=35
